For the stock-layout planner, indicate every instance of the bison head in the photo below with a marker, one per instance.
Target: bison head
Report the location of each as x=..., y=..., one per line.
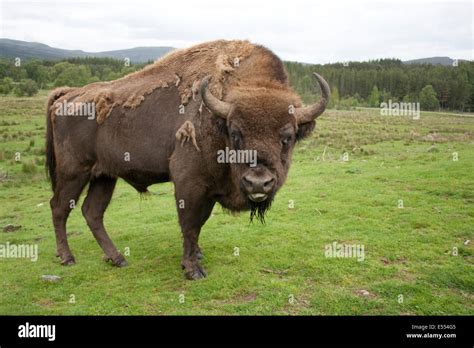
x=264, y=121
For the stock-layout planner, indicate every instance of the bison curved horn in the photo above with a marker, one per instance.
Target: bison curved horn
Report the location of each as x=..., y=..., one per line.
x=309, y=113
x=217, y=107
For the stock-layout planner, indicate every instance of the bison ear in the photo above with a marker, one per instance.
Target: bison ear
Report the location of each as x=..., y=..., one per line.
x=304, y=130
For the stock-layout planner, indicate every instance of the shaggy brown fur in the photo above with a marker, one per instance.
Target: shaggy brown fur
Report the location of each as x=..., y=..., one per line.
x=165, y=123
x=226, y=61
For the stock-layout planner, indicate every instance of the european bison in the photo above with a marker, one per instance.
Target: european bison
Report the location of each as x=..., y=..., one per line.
x=218, y=119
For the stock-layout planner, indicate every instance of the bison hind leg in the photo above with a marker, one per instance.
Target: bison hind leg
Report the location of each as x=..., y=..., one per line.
x=94, y=206
x=66, y=192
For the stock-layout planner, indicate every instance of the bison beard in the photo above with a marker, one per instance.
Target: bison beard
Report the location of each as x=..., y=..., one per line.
x=258, y=210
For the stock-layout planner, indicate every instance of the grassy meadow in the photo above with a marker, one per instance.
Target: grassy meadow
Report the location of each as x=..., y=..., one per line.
x=405, y=191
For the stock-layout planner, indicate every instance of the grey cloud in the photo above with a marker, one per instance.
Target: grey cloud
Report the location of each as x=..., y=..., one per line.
x=296, y=30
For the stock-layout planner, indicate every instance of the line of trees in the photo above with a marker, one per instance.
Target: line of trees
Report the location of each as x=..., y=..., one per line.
x=370, y=83
x=26, y=77
x=353, y=84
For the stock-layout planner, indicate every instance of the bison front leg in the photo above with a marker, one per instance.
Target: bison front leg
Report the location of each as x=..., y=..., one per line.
x=193, y=211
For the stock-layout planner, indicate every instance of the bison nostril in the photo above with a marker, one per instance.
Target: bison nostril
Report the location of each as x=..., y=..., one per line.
x=269, y=184
x=247, y=181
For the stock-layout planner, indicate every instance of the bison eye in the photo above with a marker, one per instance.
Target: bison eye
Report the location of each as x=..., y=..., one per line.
x=235, y=136
x=285, y=141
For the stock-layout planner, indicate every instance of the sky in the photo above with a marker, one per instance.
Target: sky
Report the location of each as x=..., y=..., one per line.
x=297, y=30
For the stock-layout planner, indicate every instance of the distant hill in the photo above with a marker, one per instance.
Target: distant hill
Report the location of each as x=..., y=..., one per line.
x=27, y=50
x=446, y=61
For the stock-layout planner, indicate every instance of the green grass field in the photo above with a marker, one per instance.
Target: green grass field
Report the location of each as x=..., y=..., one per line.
x=420, y=251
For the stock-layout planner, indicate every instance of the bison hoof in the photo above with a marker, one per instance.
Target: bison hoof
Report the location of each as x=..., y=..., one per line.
x=118, y=261
x=68, y=261
x=194, y=273
x=123, y=263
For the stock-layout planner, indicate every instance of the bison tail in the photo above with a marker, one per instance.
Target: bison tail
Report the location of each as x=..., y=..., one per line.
x=50, y=155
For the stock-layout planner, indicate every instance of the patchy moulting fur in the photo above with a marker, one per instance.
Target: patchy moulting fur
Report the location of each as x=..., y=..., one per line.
x=186, y=133
x=183, y=68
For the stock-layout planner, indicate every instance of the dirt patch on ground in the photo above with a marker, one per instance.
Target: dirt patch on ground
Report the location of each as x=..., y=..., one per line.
x=239, y=299
x=11, y=228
